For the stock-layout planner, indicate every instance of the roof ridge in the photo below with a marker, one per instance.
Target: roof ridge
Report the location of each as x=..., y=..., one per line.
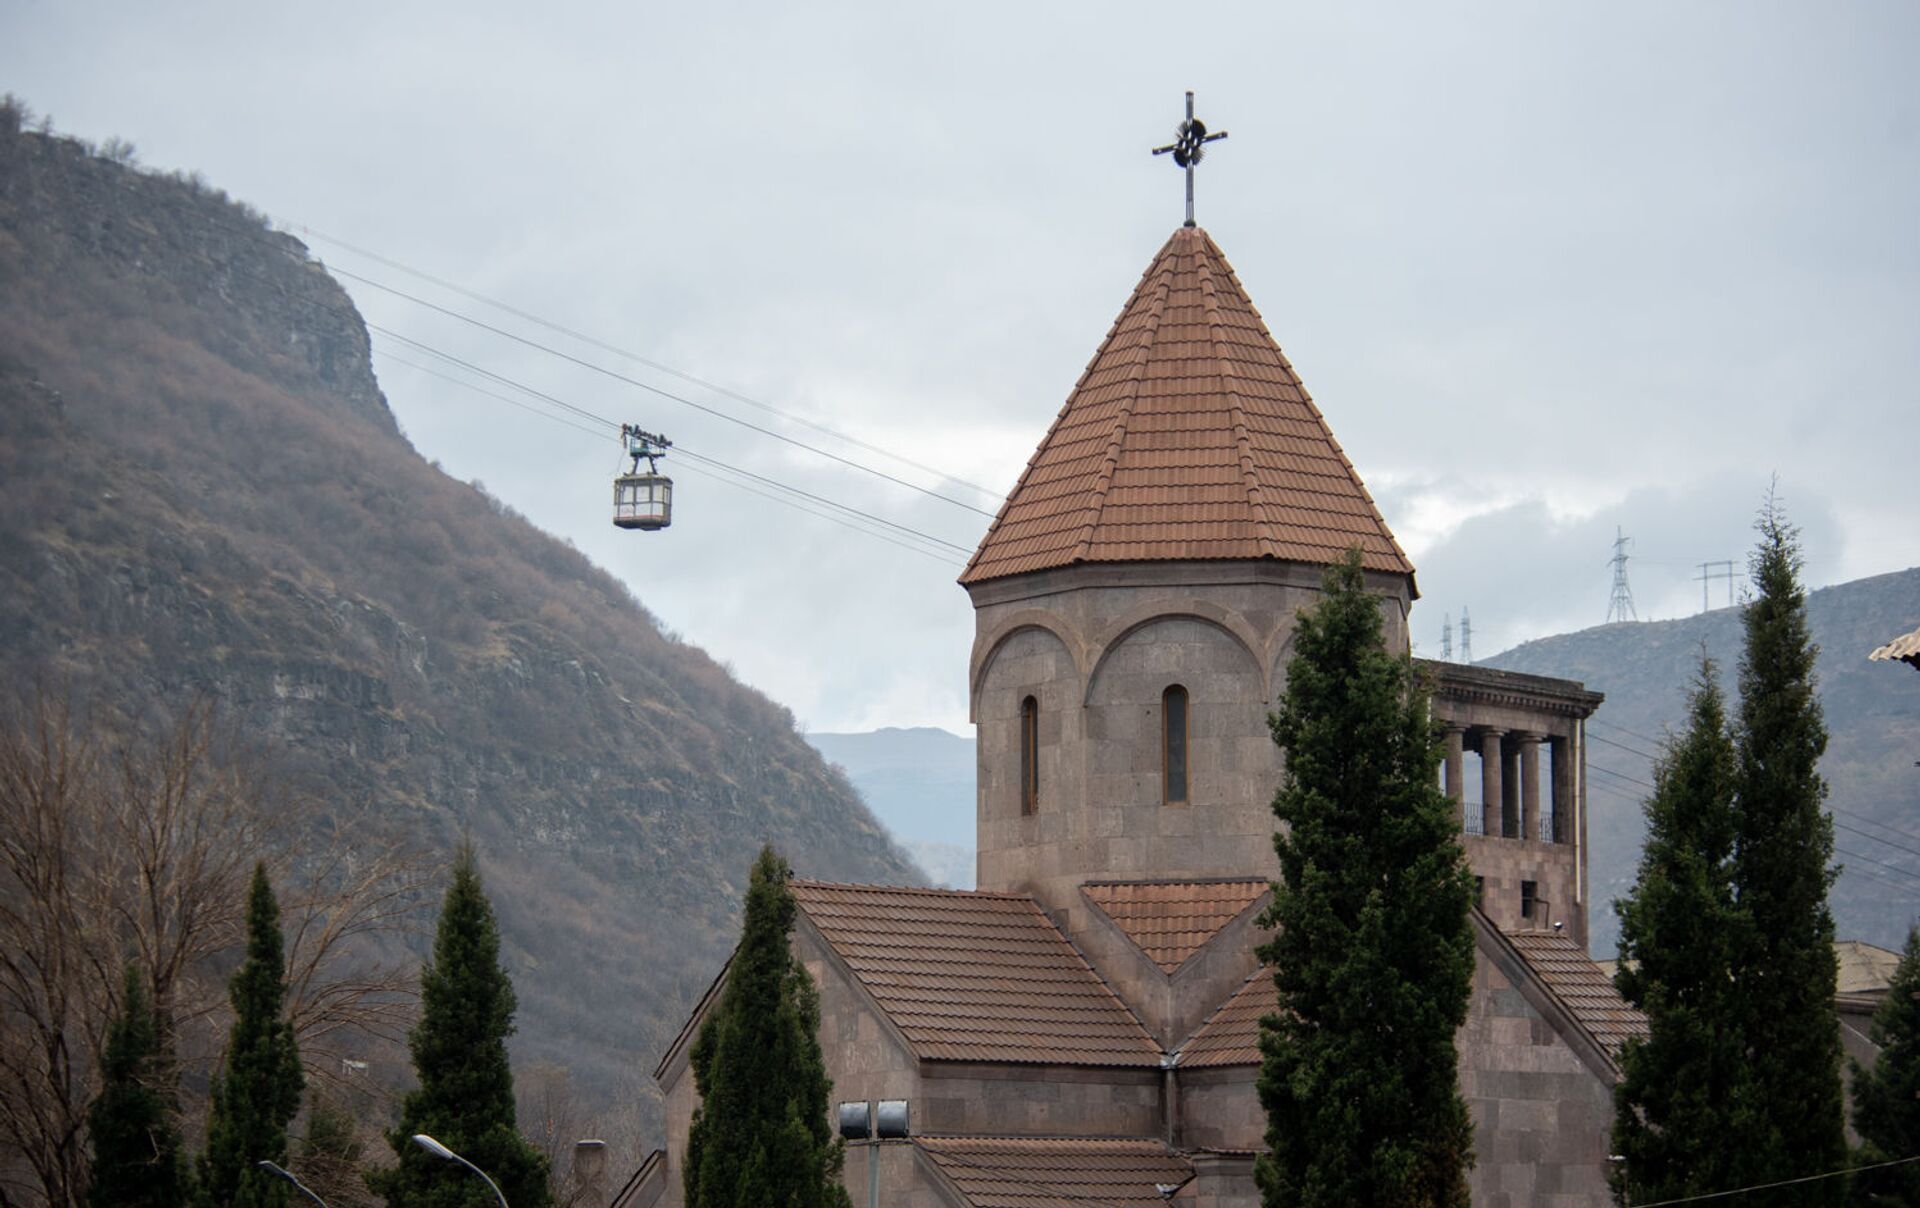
x=1243, y=880
x=1097, y=501
x=1230, y=382
x=925, y=890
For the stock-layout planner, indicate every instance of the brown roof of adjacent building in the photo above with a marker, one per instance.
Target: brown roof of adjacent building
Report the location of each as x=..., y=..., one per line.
x=1863, y=967
x=1231, y=1035
x=1188, y=437
x=1171, y=920
x=1049, y=1172
x=970, y=976
x=1905, y=648
x=1578, y=982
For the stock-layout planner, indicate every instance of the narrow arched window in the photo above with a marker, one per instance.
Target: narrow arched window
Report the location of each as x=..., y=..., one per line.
x=1173, y=745
x=1029, y=755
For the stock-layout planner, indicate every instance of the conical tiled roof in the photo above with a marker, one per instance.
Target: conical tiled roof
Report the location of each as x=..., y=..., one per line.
x=1188, y=437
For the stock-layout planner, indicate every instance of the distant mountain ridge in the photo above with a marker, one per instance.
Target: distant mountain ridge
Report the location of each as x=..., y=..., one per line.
x=1872, y=714
x=917, y=780
x=203, y=490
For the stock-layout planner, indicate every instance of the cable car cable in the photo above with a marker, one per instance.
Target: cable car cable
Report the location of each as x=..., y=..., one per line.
x=906, y=530
x=258, y=234
x=617, y=376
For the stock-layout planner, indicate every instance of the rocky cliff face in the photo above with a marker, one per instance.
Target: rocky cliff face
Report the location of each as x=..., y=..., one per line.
x=202, y=490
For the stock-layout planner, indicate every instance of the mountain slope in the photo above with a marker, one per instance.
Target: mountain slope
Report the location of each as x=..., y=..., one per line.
x=202, y=489
x=1872, y=712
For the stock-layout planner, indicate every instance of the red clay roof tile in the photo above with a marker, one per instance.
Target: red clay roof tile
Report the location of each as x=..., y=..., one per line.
x=1171, y=920
x=1578, y=982
x=1231, y=1035
x=1189, y=436
x=1057, y=1172
x=970, y=976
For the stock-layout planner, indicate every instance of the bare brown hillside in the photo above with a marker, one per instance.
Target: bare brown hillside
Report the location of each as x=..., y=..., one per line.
x=202, y=489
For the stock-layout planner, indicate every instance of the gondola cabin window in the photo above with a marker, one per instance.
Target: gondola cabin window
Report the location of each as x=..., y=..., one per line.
x=642, y=501
x=1173, y=745
x=1029, y=756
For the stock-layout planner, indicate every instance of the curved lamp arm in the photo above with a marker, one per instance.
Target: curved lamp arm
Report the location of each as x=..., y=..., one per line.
x=440, y=1151
x=275, y=1169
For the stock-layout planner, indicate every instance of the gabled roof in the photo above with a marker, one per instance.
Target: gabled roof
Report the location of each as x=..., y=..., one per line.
x=1580, y=983
x=968, y=976
x=1231, y=1035
x=1188, y=437
x=1905, y=649
x=1171, y=920
x=1049, y=1172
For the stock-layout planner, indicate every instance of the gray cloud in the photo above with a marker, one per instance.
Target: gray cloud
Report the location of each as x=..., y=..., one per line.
x=1546, y=268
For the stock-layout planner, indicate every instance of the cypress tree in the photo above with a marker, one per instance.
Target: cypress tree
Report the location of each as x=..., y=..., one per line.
x=258, y=1091
x=1886, y=1098
x=465, y=1097
x=1373, y=957
x=136, y=1141
x=1681, y=1105
x=761, y=1134
x=1783, y=849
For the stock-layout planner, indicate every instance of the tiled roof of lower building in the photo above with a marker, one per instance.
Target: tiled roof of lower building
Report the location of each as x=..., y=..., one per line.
x=1063, y=1172
x=1231, y=1035
x=1171, y=920
x=970, y=976
x=1580, y=983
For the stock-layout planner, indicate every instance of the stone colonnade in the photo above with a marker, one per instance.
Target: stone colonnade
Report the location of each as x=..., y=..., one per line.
x=1510, y=802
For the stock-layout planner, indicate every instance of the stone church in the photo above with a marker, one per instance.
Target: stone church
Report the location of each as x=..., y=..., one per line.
x=1083, y=1028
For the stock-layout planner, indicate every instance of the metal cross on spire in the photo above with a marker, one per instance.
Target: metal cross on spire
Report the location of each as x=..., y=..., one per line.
x=1189, y=147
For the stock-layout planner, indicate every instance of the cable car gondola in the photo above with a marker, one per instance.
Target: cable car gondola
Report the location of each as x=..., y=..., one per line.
x=643, y=501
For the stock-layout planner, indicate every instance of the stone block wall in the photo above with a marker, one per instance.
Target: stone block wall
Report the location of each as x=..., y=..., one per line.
x=1541, y=1114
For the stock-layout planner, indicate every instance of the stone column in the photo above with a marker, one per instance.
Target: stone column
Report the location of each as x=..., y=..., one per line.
x=1562, y=785
x=1456, y=766
x=1530, y=785
x=1491, y=793
x=1510, y=791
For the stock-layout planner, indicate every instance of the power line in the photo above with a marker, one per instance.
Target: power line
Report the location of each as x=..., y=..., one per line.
x=1811, y=1178
x=635, y=357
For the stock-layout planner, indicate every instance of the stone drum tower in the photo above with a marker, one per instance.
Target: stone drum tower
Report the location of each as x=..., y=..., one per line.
x=1135, y=597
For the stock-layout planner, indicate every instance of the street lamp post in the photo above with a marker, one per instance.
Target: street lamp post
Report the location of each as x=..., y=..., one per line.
x=275, y=1169
x=440, y=1151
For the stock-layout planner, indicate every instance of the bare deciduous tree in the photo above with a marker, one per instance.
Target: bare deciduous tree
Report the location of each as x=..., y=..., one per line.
x=118, y=848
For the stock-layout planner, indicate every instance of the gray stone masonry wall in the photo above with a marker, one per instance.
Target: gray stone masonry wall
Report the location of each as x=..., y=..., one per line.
x=1541, y=1116
x=1097, y=646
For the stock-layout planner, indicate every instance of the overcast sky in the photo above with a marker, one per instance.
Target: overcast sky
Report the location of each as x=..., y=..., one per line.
x=1547, y=268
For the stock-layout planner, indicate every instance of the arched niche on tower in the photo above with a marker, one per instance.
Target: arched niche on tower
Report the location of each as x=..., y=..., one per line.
x=987, y=647
x=1027, y=663
x=1231, y=768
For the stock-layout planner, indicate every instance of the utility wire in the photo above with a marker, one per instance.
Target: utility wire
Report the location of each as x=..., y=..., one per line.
x=703, y=473
x=942, y=544
x=1811, y=1178
x=617, y=376
x=635, y=357
x=261, y=235
x=1837, y=809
